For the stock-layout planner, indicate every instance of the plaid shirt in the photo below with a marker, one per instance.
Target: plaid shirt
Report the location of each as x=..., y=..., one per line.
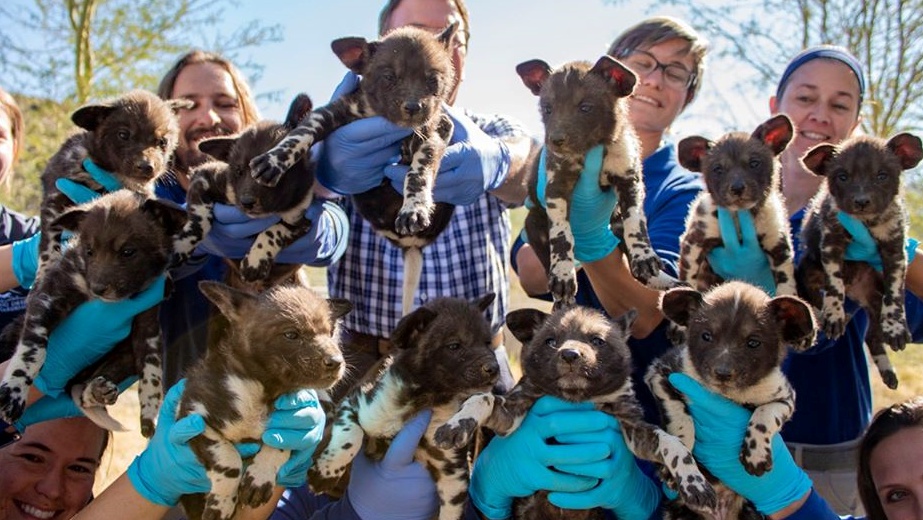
x=468, y=260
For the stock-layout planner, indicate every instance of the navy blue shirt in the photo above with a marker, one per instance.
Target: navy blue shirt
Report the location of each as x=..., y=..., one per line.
x=14, y=226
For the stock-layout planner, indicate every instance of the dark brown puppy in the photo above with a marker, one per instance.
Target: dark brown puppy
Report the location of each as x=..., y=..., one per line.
x=577, y=354
x=862, y=179
x=737, y=340
x=441, y=356
x=127, y=142
x=123, y=242
x=584, y=105
x=274, y=343
x=227, y=180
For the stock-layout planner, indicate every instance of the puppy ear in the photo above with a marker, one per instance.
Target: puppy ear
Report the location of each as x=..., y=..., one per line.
x=523, y=323
x=620, y=78
x=679, y=303
x=411, y=326
x=354, y=52
x=179, y=103
x=171, y=215
x=533, y=74
x=484, y=301
x=776, y=133
x=301, y=106
x=339, y=307
x=231, y=302
x=908, y=148
x=70, y=219
x=816, y=159
x=795, y=319
x=218, y=147
x=692, y=150
x=448, y=34
x=90, y=116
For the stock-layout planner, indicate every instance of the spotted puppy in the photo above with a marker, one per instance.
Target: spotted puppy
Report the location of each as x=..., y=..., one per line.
x=126, y=142
x=862, y=178
x=737, y=340
x=584, y=105
x=122, y=243
x=441, y=356
x=227, y=180
x=577, y=354
x=266, y=345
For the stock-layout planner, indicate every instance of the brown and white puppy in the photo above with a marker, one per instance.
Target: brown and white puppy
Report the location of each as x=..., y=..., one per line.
x=227, y=180
x=577, y=354
x=127, y=142
x=737, y=339
x=441, y=356
x=862, y=178
x=122, y=243
x=406, y=76
x=584, y=105
x=270, y=344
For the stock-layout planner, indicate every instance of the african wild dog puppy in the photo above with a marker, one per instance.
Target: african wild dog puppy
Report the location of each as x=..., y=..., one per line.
x=127, y=142
x=577, y=354
x=279, y=341
x=441, y=356
x=862, y=177
x=122, y=243
x=737, y=340
x=584, y=105
x=227, y=180
x=406, y=77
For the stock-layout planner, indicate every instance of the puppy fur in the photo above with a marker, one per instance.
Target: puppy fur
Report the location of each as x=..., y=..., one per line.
x=132, y=137
x=577, y=354
x=226, y=180
x=277, y=342
x=442, y=356
x=862, y=177
x=122, y=243
x=737, y=340
x=584, y=105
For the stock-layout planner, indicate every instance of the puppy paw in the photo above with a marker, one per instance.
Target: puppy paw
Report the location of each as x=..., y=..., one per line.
x=254, y=492
x=268, y=168
x=697, y=493
x=100, y=391
x=411, y=221
x=250, y=272
x=455, y=434
x=645, y=264
x=756, y=453
x=12, y=401
x=834, y=323
x=562, y=282
x=895, y=333
x=889, y=378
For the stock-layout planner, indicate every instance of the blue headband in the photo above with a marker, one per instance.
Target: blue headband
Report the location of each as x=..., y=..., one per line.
x=823, y=51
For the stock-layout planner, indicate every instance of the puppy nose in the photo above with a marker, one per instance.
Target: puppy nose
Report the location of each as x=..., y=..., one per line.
x=145, y=167
x=491, y=368
x=333, y=362
x=570, y=355
x=737, y=188
x=412, y=107
x=862, y=201
x=247, y=201
x=723, y=374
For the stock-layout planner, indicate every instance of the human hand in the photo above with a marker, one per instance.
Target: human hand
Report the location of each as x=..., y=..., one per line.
x=296, y=424
x=473, y=163
x=75, y=191
x=396, y=487
x=25, y=259
x=863, y=248
x=720, y=426
x=741, y=258
x=523, y=462
x=622, y=488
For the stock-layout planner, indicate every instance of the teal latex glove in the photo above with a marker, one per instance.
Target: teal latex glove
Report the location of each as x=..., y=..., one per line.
x=296, y=424
x=741, y=258
x=720, y=425
x=25, y=260
x=90, y=332
x=862, y=247
x=622, y=488
x=62, y=406
x=522, y=463
x=75, y=191
x=590, y=211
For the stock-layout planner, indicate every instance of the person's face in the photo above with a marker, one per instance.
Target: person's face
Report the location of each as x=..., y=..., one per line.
x=434, y=15
x=6, y=145
x=822, y=99
x=656, y=103
x=49, y=473
x=896, y=465
x=216, y=110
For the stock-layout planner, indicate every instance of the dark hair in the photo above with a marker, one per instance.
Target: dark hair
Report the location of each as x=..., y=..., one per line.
x=659, y=29
x=886, y=423
x=9, y=106
x=248, y=109
x=385, y=16
x=826, y=52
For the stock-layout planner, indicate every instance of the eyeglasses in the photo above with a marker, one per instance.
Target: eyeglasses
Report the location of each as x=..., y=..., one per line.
x=644, y=63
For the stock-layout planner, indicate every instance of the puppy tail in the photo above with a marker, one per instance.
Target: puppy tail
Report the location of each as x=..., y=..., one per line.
x=413, y=269
x=96, y=413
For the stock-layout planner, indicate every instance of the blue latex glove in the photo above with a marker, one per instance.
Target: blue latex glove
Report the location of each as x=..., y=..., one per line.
x=741, y=258
x=75, y=191
x=233, y=233
x=88, y=333
x=720, y=425
x=623, y=488
x=296, y=424
x=474, y=162
x=25, y=260
x=591, y=209
x=862, y=247
x=395, y=487
x=62, y=406
x=522, y=463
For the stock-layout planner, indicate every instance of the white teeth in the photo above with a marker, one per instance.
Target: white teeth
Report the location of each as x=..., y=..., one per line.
x=645, y=99
x=815, y=136
x=36, y=512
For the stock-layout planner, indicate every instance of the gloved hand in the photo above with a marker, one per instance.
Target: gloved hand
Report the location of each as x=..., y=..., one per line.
x=75, y=191
x=741, y=258
x=233, y=233
x=62, y=406
x=863, y=248
x=474, y=162
x=25, y=260
x=523, y=462
x=395, y=487
x=623, y=488
x=296, y=424
x=88, y=333
x=720, y=425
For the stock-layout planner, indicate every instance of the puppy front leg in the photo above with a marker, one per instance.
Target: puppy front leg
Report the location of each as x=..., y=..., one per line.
x=147, y=345
x=223, y=466
x=260, y=476
x=205, y=189
x=345, y=442
x=894, y=271
x=775, y=239
x=257, y=265
x=426, y=148
x=766, y=421
x=676, y=418
x=562, y=173
x=832, y=251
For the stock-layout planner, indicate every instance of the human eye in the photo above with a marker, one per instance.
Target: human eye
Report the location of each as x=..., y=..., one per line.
x=227, y=103
x=895, y=495
x=32, y=458
x=677, y=75
x=82, y=469
x=641, y=62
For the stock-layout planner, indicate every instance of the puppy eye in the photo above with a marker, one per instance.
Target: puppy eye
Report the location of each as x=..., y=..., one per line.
x=162, y=143
x=754, y=164
x=842, y=177
x=598, y=342
x=754, y=343
x=586, y=107
x=89, y=250
x=706, y=336
x=551, y=342
x=882, y=175
x=717, y=169
x=432, y=83
x=453, y=346
x=389, y=76
x=290, y=335
x=546, y=108
x=123, y=134
x=127, y=252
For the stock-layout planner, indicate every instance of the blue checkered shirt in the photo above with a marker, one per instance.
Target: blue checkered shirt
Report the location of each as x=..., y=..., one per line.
x=468, y=260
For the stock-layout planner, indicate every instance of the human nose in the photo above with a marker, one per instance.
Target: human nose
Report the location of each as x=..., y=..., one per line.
x=51, y=484
x=206, y=117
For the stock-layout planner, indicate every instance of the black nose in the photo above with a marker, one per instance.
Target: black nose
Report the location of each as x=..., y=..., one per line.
x=145, y=168
x=557, y=140
x=737, y=188
x=570, y=355
x=723, y=374
x=412, y=107
x=247, y=201
x=333, y=362
x=491, y=368
x=862, y=201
